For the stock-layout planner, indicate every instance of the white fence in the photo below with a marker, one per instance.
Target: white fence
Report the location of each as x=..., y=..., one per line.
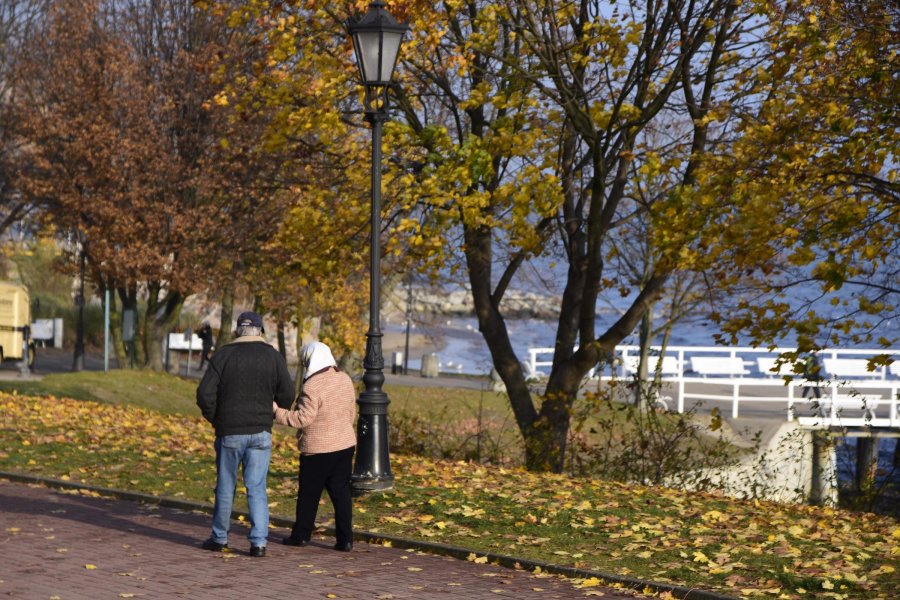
x=846, y=394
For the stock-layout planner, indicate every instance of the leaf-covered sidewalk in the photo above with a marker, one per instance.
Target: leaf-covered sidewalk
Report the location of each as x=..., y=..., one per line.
x=756, y=549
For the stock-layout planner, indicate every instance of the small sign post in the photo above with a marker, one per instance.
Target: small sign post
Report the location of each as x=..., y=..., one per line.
x=188, y=337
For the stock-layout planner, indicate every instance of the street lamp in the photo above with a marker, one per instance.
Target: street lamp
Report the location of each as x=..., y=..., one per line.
x=376, y=40
x=78, y=362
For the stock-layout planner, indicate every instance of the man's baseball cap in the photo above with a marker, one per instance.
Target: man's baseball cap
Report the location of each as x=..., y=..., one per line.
x=251, y=319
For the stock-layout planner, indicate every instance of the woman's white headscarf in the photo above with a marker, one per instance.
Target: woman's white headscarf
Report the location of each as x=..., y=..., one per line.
x=315, y=357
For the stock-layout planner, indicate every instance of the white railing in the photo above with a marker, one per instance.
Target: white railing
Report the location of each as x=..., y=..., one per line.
x=851, y=395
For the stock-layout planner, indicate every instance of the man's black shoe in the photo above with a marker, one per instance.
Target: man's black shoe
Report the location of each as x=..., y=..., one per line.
x=344, y=547
x=257, y=551
x=292, y=541
x=211, y=544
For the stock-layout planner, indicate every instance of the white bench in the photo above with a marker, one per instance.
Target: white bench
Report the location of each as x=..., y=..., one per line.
x=669, y=365
x=767, y=367
x=718, y=365
x=177, y=342
x=851, y=367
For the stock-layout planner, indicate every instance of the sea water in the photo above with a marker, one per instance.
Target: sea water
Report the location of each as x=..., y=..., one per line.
x=461, y=348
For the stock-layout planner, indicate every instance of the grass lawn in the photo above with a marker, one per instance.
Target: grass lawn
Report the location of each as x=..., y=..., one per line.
x=148, y=389
x=749, y=548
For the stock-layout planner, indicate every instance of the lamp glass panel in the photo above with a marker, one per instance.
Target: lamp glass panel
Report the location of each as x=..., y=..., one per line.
x=389, y=53
x=367, y=44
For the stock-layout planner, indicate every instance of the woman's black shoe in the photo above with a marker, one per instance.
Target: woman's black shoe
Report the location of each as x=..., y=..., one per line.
x=344, y=547
x=292, y=541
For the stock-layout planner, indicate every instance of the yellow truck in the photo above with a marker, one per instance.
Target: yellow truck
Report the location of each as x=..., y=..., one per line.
x=15, y=322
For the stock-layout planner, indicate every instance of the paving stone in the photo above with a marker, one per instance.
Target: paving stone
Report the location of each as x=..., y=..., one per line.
x=71, y=546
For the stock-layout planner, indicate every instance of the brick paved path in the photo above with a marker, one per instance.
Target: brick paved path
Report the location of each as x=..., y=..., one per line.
x=71, y=546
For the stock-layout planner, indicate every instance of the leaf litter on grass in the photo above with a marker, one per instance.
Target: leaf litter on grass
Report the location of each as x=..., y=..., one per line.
x=742, y=547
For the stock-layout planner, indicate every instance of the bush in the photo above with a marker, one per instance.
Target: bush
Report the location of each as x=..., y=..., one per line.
x=440, y=436
x=632, y=442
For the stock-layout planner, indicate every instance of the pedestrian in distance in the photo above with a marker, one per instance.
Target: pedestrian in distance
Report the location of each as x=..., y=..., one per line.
x=812, y=373
x=244, y=378
x=206, y=338
x=326, y=439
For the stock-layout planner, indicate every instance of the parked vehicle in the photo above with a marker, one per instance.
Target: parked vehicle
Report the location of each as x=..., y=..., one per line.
x=15, y=322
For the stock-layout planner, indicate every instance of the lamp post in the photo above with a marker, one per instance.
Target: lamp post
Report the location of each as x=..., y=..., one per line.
x=376, y=40
x=408, y=323
x=78, y=361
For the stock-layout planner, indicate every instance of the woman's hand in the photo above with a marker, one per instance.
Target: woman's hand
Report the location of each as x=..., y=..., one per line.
x=274, y=407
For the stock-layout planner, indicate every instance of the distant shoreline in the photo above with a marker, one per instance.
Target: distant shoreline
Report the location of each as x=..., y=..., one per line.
x=458, y=303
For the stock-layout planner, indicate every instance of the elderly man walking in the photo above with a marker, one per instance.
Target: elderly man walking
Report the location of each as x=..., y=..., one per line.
x=236, y=394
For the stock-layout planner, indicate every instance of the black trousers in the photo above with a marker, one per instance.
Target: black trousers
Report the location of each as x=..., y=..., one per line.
x=329, y=471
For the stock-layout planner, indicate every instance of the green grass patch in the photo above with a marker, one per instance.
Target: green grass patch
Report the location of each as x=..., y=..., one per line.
x=162, y=392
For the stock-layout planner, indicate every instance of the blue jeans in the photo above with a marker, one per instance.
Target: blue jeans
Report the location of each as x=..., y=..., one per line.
x=252, y=452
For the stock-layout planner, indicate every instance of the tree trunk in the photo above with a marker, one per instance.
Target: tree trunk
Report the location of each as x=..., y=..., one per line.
x=642, y=385
x=135, y=350
x=162, y=315
x=866, y=463
x=282, y=346
x=496, y=336
x=226, y=316
x=545, y=440
x=115, y=331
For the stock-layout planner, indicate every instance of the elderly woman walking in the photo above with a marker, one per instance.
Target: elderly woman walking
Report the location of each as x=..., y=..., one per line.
x=324, y=417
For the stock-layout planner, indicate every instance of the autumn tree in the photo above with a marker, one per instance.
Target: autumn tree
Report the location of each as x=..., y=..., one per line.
x=522, y=127
x=549, y=109
x=118, y=128
x=302, y=86
x=92, y=144
x=816, y=162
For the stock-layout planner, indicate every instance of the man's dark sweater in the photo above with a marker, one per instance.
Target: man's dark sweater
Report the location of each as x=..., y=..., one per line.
x=238, y=388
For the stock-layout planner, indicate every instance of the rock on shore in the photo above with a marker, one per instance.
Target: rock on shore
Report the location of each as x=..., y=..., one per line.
x=516, y=304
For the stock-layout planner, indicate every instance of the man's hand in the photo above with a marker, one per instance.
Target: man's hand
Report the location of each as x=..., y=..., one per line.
x=274, y=406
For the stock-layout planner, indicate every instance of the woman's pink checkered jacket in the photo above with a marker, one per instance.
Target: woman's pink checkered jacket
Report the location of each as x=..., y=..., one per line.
x=324, y=414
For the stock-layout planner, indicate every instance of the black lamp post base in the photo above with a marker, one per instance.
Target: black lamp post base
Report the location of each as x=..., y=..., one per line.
x=362, y=485
x=372, y=468
x=78, y=360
